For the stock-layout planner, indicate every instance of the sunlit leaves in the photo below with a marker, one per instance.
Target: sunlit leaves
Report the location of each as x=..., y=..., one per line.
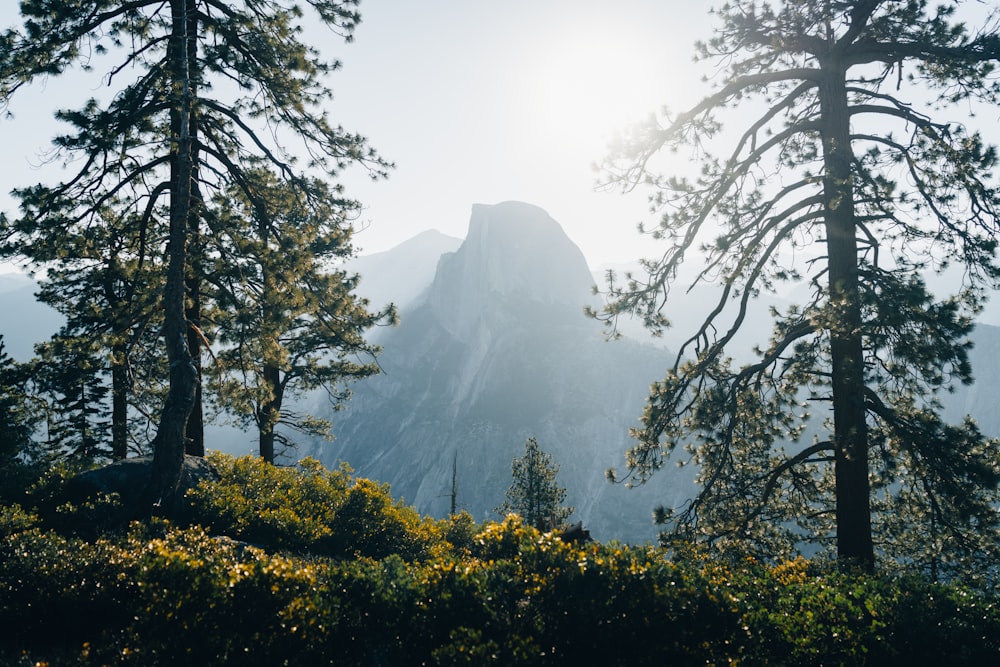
x=162, y=594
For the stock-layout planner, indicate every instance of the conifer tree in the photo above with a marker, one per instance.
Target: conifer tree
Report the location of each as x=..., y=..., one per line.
x=846, y=166
x=18, y=419
x=298, y=325
x=204, y=92
x=534, y=493
x=104, y=280
x=71, y=378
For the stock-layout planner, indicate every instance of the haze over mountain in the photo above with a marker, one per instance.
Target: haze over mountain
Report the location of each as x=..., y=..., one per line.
x=497, y=351
x=493, y=348
x=401, y=274
x=980, y=398
x=24, y=321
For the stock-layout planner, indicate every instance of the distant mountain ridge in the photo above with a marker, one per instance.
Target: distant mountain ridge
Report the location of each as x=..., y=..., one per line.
x=498, y=351
x=493, y=348
x=402, y=273
x=24, y=321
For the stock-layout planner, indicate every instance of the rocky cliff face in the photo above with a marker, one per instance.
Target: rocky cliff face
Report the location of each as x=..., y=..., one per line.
x=402, y=274
x=514, y=253
x=497, y=351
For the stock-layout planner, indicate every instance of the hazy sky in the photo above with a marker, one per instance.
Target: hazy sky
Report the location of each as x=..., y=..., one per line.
x=480, y=102
x=475, y=102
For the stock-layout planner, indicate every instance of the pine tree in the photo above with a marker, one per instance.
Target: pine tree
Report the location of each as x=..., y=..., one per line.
x=18, y=420
x=534, y=494
x=299, y=326
x=104, y=281
x=217, y=89
x=834, y=174
x=70, y=376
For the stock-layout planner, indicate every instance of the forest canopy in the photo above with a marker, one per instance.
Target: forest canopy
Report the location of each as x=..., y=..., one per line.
x=211, y=101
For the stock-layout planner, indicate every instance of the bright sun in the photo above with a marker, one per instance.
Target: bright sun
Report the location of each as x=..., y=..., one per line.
x=593, y=84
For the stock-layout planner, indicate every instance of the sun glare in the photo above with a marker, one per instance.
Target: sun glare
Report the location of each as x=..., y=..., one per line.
x=592, y=84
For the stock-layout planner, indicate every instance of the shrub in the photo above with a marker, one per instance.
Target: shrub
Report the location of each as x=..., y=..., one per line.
x=814, y=617
x=402, y=590
x=549, y=602
x=309, y=508
x=15, y=519
x=253, y=501
x=460, y=532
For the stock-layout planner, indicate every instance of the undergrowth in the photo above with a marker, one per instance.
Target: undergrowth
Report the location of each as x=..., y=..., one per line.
x=307, y=566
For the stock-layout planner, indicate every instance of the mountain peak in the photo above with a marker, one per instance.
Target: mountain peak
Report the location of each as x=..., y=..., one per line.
x=399, y=275
x=513, y=253
x=496, y=351
x=513, y=227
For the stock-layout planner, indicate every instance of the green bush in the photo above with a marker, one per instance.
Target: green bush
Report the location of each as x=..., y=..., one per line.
x=15, y=519
x=396, y=589
x=290, y=508
x=558, y=603
x=310, y=508
x=460, y=532
x=805, y=617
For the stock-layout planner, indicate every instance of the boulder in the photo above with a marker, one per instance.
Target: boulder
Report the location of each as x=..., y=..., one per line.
x=575, y=534
x=128, y=478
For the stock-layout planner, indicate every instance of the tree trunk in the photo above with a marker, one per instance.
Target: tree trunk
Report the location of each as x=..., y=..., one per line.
x=270, y=412
x=454, y=485
x=853, y=513
x=168, y=453
x=119, y=402
x=195, y=432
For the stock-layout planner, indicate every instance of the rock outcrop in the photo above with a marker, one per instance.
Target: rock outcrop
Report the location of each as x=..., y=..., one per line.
x=499, y=350
x=128, y=479
x=401, y=274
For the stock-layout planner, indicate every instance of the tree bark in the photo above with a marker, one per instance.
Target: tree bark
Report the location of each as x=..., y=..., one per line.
x=195, y=431
x=853, y=511
x=270, y=411
x=168, y=452
x=119, y=402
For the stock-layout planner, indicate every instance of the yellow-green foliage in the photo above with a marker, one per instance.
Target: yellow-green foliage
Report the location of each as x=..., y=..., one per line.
x=15, y=519
x=310, y=508
x=494, y=594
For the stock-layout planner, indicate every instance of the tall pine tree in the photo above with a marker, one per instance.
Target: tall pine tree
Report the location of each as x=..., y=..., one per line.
x=298, y=324
x=534, y=493
x=839, y=170
x=206, y=92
